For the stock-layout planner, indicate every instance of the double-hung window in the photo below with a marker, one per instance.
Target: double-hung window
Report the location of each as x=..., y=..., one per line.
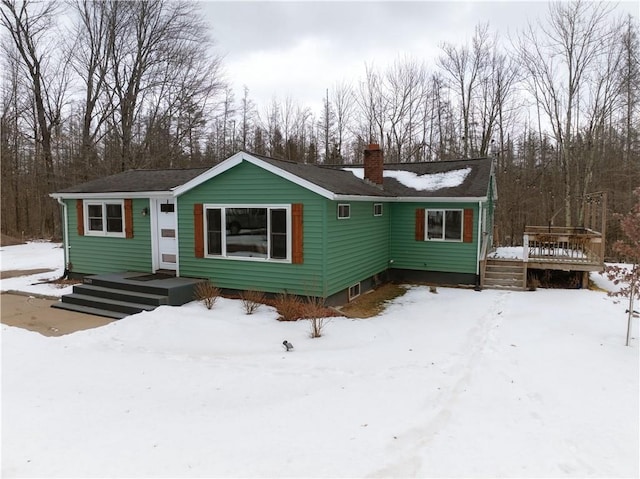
x=444, y=225
x=104, y=218
x=257, y=232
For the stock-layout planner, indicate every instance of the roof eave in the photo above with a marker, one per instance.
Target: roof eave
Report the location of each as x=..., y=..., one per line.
x=113, y=194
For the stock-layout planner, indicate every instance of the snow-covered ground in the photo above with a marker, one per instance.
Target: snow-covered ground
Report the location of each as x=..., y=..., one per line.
x=455, y=384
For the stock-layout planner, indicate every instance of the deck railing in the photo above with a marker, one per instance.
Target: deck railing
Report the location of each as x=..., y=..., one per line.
x=559, y=244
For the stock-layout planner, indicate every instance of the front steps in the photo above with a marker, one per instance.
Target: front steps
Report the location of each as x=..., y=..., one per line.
x=505, y=274
x=117, y=295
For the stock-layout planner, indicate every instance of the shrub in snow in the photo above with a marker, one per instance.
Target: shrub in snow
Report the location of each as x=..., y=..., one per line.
x=289, y=306
x=207, y=293
x=314, y=311
x=251, y=300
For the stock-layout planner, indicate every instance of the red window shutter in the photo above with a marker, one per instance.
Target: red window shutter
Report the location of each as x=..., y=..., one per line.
x=80, y=217
x=468, y=226
x=198, y=230
x=297, y=234
x=128, y=218
x=420, y=224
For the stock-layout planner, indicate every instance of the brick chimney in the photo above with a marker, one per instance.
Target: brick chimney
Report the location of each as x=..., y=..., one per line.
x=373, y=164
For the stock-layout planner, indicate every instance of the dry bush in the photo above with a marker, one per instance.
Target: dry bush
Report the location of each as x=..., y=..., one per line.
x=251, y=300
x=314, y=310
x=290, y=307
x=207, y=293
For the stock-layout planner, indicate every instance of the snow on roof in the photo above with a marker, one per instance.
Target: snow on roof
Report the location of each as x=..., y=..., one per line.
x=426, y=182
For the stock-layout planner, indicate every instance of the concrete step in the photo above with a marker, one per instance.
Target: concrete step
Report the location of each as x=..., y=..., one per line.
x=125, y=307
x=121, y=294
x=88, y=310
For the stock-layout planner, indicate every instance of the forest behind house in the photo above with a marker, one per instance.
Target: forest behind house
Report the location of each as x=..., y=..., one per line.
x=92, y=88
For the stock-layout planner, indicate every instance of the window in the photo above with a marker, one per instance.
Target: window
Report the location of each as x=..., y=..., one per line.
x=248, y=232
x=444, y=225
x=344, y=211
x=354, y=291
x=104, y=218
x=377, y=209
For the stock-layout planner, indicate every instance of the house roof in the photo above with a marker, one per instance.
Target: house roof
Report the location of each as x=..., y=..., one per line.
x=134, y=181
x=474, y=185
x=333, y=182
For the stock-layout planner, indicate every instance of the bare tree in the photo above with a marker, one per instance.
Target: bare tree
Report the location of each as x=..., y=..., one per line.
x=89, y=53
x=29, y=25
x=158, y=51
x=247, y=111
x=464, y=67
x=342, y=98
x=558, y=57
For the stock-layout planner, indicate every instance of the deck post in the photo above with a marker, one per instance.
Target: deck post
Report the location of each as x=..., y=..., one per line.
x=585, y=280
x=525, y=248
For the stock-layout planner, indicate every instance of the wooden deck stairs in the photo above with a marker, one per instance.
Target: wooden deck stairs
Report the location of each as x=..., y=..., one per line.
x=505, y=274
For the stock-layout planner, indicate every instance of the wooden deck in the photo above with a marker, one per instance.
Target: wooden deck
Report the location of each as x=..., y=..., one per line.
x=563, y=248
x=547, y=248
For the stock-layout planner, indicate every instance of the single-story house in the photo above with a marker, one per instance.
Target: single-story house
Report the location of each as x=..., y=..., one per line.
x=258, y=223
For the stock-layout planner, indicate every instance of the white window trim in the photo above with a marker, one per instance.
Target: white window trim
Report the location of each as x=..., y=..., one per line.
x=224, y=255
x=354, y=296
x=348, y=205
x=381, y=209
x=444, y=216
x=103, y=204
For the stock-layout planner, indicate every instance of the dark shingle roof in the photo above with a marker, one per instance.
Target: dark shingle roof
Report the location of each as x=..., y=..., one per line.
x=341, y=182
x=335, y=180
x=331, y=178
x=137, y=181
x=475, y=185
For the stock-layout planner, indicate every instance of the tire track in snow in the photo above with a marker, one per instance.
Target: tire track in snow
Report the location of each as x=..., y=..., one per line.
x=410, y=443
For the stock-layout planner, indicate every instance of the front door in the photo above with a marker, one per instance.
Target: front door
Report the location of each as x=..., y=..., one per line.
x=166, y=233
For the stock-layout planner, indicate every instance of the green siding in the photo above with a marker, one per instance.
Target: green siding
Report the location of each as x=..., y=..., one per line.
x=441, y=256
x=102, y=254
x=337, y=253
x=358, y=247
x=248, y=184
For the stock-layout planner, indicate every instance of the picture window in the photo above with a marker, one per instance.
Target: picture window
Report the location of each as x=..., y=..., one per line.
x=248, y=232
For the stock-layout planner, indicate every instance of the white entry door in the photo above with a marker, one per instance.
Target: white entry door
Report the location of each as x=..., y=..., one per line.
x=166, y=233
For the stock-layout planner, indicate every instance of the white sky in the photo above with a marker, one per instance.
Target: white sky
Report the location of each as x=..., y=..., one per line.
x=299, y=49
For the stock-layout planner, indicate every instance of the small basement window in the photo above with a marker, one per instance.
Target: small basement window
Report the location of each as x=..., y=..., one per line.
x=344, y=211
x=354, y=291
x=377, y=209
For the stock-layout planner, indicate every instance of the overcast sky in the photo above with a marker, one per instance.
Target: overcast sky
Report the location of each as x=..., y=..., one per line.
x=299, y=49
